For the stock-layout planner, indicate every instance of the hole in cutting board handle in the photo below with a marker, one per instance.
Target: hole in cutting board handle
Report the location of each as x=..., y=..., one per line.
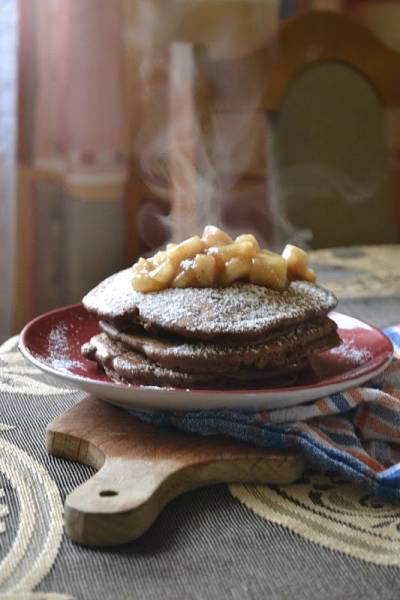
x=106, y=493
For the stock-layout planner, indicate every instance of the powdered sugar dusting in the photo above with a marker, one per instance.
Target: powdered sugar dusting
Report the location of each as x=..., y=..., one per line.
x=242, y=310
x=58, y=349
x=348, y=351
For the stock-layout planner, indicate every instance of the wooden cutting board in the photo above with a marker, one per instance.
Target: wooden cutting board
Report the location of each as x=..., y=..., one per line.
x=141, y=468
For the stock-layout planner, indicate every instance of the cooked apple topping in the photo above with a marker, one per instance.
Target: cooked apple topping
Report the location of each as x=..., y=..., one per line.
x=215, y=260
x=297, y=263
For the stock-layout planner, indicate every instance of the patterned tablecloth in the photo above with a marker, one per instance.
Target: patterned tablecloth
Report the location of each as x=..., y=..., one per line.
x=319, y=538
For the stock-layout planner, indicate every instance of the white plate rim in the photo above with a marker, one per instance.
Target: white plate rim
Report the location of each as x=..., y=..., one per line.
x=158, y=398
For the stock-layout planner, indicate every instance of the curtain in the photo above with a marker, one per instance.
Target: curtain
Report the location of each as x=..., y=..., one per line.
x=72, y=150
x=8, y=120
x=93, y=110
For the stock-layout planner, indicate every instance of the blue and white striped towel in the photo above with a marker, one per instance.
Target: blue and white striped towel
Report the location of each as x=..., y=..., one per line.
x=355, y=433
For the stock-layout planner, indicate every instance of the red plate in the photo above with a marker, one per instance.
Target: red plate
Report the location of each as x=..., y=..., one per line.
x=52, y=342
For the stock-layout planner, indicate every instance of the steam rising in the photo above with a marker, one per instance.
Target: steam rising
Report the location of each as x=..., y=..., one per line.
x=196, y=167
x=199, y=168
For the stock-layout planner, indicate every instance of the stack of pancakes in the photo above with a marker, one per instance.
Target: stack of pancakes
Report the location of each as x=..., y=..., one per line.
x=241, y=336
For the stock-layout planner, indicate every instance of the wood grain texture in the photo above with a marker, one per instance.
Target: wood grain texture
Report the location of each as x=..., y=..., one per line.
x=141, y=468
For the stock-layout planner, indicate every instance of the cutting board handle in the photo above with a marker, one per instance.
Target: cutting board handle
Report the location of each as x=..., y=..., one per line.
x=122, y=500
x=142, y=468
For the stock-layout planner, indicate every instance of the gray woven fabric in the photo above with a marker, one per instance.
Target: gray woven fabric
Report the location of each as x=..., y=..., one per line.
x=205, y=545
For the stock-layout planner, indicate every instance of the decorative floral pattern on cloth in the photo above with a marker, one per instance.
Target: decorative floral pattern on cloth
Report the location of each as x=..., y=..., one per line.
x=331, y=511
x=38, y=535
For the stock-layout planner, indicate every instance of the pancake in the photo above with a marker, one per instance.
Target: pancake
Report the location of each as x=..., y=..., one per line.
x=123, y=365
x=241, y=313
x=173, y=352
